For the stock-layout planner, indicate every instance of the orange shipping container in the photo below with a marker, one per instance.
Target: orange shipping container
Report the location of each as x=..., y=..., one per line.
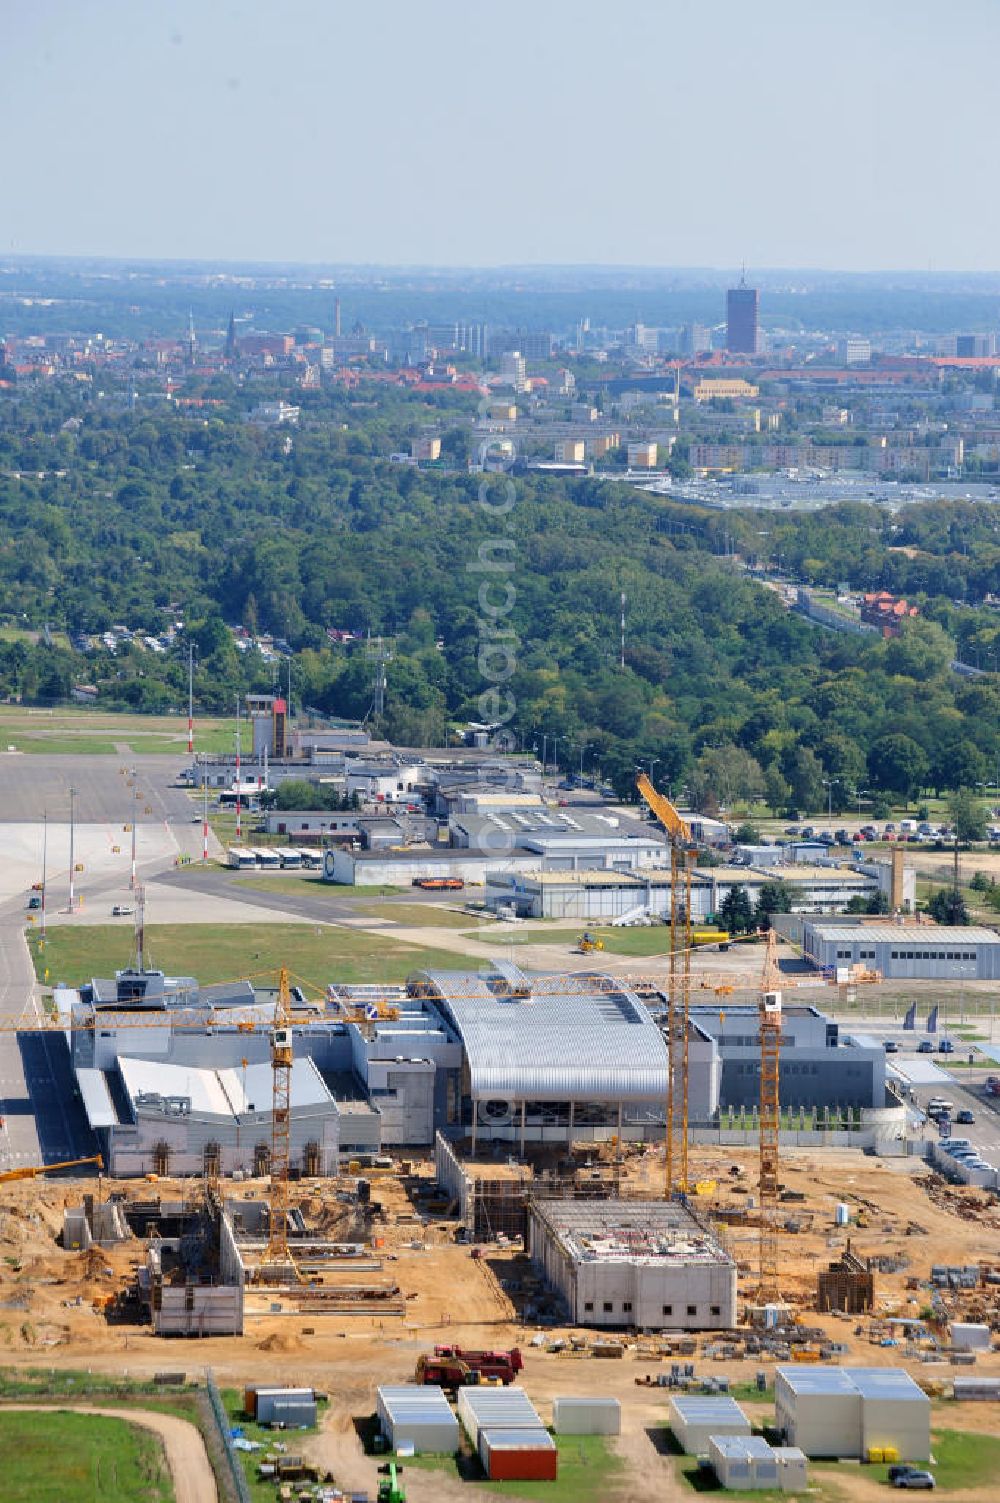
x=518, y=1455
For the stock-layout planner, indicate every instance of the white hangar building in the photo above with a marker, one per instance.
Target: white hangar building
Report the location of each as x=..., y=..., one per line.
x=155, y=1117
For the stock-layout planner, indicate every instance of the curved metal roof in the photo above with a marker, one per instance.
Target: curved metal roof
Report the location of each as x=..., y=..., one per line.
x=552, y=1038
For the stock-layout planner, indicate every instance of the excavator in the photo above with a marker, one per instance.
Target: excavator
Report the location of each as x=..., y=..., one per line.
x=34, y=1170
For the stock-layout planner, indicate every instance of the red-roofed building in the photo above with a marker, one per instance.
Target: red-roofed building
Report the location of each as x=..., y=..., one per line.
x=886, y=612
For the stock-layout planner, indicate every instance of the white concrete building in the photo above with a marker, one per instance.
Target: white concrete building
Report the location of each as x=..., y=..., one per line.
x=649, y=1265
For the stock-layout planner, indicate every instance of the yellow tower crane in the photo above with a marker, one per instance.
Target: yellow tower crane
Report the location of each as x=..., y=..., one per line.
x=770, y=1120
x=682, y=855
x=33, y=1171
x=277, y=1262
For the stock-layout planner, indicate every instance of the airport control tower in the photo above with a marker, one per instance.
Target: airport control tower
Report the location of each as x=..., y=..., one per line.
x=269, y=717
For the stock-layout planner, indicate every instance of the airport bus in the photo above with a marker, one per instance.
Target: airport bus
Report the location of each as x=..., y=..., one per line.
x=241, y=857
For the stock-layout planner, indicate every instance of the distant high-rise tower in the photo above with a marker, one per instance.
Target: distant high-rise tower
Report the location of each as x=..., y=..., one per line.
x=192, y=340
x=336, y=318
x=741, y=318
x=230, y=350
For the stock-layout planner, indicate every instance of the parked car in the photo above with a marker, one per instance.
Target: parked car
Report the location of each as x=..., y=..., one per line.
x=121, y=910
x=925, y=1047
x=890, y=1046
x=34, y=901
x=965, y=1118
x=946, y=1047
x=915, y=1480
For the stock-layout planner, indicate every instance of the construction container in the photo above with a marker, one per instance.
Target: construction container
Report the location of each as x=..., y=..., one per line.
x=694, y=1418
x=979, y=1390
x=572, y=1416
x=513, y=1455
x=968, y=1337
x=743, y=1461
x=259, y=1403
x=417, y=1415
x=496, y=1409
x=793, y=1469
x=842, y=1215
x=845, y=1411
x=293, y=1414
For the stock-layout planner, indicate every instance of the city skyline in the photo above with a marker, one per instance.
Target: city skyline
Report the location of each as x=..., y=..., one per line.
x=664, y=137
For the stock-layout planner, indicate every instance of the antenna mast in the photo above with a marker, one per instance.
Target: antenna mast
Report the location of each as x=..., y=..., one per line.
x=190, y=699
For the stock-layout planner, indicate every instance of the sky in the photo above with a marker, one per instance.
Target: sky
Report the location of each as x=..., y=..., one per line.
x=861, y=135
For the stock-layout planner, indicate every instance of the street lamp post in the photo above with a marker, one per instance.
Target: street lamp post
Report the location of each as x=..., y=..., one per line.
x=72, y=864
x=584, y=746
x=828, y=784
x=135, y=810
x=45, y=866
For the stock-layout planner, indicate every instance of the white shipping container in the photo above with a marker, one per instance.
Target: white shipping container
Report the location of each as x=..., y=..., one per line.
x=793, y=1468
x=694, y=1418
x=969, y=1337
x=743, y=1461
x=572, y=1416
x=417, y=1416
x=268, y=1398
x=496, y=1409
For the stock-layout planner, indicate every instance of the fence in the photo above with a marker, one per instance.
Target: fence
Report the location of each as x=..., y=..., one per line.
x=222, y=1423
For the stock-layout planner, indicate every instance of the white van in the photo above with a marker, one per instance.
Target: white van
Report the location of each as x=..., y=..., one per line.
x=907, y=827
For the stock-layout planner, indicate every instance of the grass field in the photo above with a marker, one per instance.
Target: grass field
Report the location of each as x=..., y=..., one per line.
x=416, y=915
x=63, y=1457
x=219, y=952
x=92, y=732
x=260, y=1491
x=961, y=1460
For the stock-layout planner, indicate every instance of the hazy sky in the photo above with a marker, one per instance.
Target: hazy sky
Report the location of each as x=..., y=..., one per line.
x=860, y=134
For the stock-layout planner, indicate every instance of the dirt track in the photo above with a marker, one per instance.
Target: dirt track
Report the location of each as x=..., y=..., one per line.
x=190, y=1469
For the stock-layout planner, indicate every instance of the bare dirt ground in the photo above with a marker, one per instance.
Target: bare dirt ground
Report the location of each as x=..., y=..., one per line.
x=52, y=1302
x=190, y=1469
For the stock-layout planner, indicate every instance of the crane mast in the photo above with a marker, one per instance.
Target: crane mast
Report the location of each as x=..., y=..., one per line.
x=277, y=1262
x=770, y=1119
x=682, y=855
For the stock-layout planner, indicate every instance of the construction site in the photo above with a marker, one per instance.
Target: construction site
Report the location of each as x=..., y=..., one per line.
x=565, y=1208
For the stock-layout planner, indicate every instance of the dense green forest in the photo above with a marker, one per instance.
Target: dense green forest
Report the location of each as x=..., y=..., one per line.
x=495, y=609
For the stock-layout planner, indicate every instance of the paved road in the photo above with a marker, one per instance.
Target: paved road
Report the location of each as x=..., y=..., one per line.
x=326, y=907
x=43, y=1119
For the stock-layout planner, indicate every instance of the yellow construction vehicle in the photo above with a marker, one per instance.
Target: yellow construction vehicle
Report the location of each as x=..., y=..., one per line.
x=589, y=942
x=33, y=1171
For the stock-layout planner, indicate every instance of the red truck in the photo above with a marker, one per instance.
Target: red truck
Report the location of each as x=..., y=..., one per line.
x=459, y=1367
